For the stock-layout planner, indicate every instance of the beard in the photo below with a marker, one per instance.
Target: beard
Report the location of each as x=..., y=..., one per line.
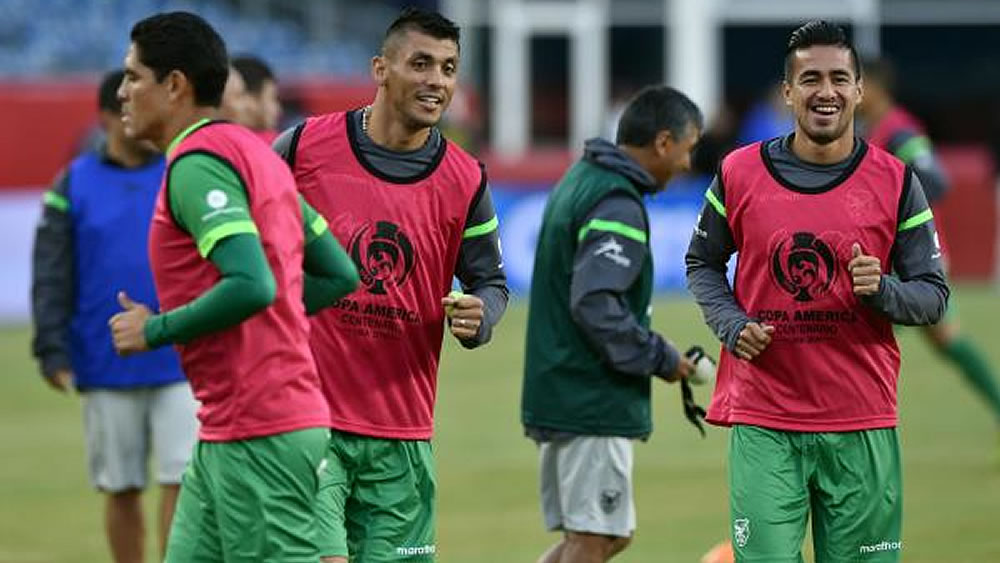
x=824, y=135
x=416, y=122
x=414, y=119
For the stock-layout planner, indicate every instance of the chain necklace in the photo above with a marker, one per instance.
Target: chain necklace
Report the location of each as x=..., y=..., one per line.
x=365, y=115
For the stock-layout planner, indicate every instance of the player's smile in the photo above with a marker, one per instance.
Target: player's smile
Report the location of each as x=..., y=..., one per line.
x=430, y=102
x=126, y=115
x=825, y=113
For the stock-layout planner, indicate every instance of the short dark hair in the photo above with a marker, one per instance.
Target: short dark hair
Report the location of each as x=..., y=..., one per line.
x=428, y=23
x=184, y=42
x=654, y=109
x=107, y=93
x=881, y=71
x=819, y=32
x=254, y=71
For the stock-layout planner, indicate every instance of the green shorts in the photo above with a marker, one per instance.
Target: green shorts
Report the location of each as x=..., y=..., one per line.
x=250, y=500
x=850, y=482
x=376, y=500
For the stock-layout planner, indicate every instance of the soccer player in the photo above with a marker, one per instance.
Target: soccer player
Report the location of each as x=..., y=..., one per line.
x=91, y=240
x=235, y=104
x=414, y=211
x=228, y=244
x=590, y=354
x=892, y=128
x=263, y=109
x=808, y=371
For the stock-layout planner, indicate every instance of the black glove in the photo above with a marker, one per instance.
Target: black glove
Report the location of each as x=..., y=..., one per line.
x=694, y=413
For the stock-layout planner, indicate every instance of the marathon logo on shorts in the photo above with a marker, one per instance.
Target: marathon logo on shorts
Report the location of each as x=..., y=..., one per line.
x=883, y=545
x=428, y=549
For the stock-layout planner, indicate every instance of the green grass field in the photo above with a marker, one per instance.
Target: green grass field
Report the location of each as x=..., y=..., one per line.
x=488, y=509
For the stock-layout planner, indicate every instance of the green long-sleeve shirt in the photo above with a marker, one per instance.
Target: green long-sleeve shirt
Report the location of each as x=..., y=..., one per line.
x=208, y=200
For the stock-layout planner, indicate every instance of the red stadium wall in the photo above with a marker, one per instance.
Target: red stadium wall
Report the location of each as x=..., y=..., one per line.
x=967, y=216
x=44, y=124
x=46, y=121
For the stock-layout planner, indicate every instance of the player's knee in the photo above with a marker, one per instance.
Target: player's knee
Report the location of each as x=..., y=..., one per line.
x=335, y=559
x=942, y=335
x=125, y=495
x=618, y=545
x=596, y=544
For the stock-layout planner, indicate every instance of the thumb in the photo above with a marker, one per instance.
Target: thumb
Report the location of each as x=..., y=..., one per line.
x=855, y=250
x=125, y=301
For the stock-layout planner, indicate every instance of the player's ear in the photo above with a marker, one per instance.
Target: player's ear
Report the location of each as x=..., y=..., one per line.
x=786, y=91
x=379, y=69
x=663, y=142
x=176, y=83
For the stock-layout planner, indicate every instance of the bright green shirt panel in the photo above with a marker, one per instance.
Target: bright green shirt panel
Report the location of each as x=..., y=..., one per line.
x=208, y=199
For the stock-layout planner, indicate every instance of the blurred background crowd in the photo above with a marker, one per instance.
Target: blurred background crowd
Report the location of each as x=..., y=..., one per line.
x=536, y=79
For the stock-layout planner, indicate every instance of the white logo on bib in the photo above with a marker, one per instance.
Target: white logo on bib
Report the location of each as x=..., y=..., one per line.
x=216, y=199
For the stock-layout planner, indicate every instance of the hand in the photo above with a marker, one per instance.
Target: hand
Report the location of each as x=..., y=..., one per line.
x=866, y=271
x=753, y=339
x=128, y=328
x=61, y=380
x=684, y=369
x=465, y=312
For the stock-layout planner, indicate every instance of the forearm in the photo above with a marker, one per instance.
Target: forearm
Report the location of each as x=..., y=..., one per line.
x=495, y=297
x=917, y=292
x=917, y=301
x=708, y=253
x=715, y=298
x=229, y=302
x=622, y=343
x=329, y=273
x=246, y=287
x=480, y=268
x=52, y=290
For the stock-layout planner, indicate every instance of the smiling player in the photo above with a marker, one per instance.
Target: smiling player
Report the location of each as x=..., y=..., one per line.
x=414, y=211
x=810, y=392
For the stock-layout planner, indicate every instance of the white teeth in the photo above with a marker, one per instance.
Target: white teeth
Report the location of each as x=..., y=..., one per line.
x=825, y=109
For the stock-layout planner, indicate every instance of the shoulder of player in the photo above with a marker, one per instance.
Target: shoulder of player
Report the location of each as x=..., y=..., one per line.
x=202, y=168
x=881, y=157
x=620, y=205
x=76, y=169
x=313, y=134
x=84, y=159
x=739, y=156
x=618, y=211
x=317, y=124
x=462, y=164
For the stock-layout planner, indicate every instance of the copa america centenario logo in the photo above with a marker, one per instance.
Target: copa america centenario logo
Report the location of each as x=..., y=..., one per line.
x=384, y=256
x=803, y=266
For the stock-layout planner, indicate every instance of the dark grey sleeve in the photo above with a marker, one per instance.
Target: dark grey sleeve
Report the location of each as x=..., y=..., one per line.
x=53, y=286
x=605, y=265
x=916, y=150
x=286, y=143
x=480, y=264
x=916, y=293
x=708, y=253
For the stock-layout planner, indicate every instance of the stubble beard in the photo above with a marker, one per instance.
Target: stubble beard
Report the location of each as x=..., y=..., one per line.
x=823, y=137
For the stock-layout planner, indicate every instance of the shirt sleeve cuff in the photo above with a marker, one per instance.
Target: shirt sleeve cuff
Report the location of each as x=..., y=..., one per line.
x=155, y=331
x=53, y=362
